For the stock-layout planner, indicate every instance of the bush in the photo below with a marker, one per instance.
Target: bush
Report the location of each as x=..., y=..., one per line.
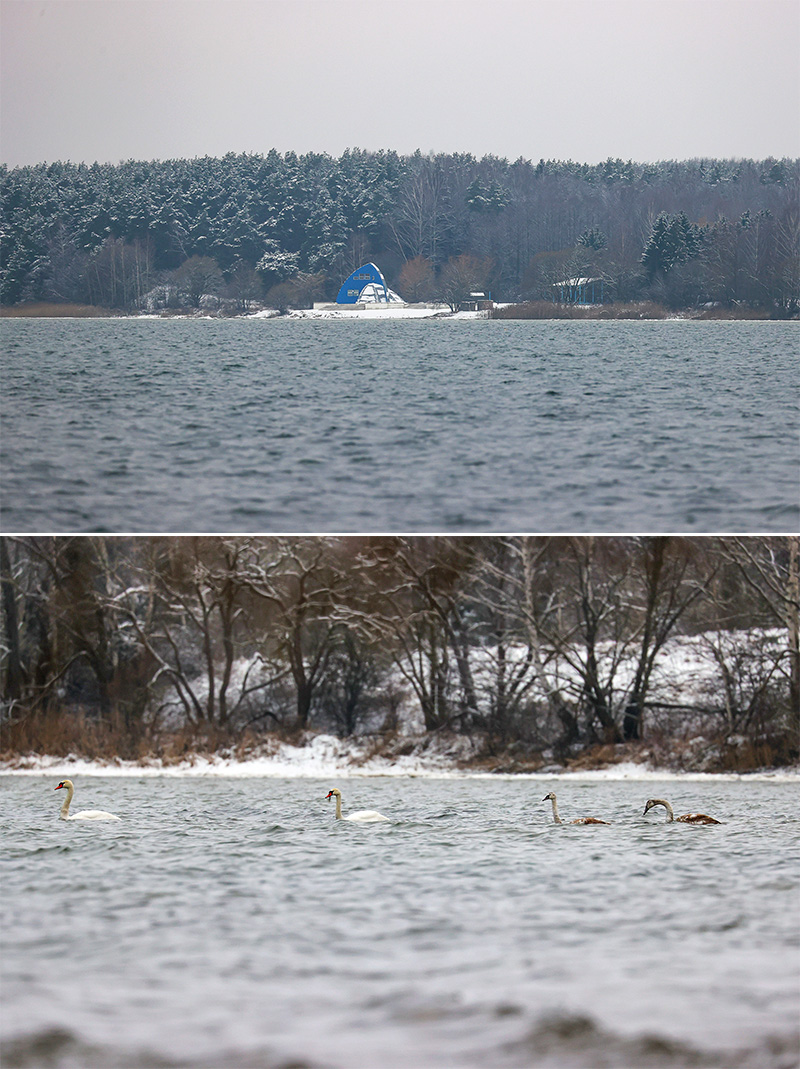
x=60, y=732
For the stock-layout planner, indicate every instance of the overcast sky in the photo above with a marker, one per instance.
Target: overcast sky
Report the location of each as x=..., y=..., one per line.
x=646, y=80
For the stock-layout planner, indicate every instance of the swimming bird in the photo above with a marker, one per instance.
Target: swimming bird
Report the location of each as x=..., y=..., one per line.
x=687, y=818
x=85, y=814
x=581, y=820
x=365, y=816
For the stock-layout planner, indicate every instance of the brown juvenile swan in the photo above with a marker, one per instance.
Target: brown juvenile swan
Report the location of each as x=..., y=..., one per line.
x=85, y=814
x=364, y=816
x=687, y=818
x=581, y=820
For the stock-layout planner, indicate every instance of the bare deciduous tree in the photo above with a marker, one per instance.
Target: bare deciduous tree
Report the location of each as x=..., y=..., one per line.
x=771, y=567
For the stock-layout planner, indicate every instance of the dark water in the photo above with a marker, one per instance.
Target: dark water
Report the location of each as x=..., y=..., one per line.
x=312, y=426
x=235, y=923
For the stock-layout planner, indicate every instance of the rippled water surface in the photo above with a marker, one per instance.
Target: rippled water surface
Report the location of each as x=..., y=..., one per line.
x=236, y=923
x=256, y=425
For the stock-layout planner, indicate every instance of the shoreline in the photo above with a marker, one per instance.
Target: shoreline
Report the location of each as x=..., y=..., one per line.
x=255, y=770
x=328, y=756
x=633, y=312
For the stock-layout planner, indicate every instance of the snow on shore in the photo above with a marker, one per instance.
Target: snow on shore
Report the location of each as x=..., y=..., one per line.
x=687, y=672
x=326, y=756
x=383, y=311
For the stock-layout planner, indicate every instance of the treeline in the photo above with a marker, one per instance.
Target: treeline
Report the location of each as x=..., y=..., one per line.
x=532, y=642
x=287, y=229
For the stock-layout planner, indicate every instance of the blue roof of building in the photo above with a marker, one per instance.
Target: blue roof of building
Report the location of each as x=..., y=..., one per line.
x=354, y=285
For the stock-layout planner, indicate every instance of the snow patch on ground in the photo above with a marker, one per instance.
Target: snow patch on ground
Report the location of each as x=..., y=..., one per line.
x=325, y=756
x=686, y=673
x=387, y=311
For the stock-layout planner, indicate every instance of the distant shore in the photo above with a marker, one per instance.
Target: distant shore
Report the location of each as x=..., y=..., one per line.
x=644, y=310
x=312, y=754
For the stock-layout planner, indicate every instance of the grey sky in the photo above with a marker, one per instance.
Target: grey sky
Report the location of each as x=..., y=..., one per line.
x=582, y=79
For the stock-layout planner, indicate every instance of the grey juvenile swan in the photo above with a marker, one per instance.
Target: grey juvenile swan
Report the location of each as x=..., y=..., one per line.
x=85, y=814
x=581, y=820
x=687, y=818
x=364, y=816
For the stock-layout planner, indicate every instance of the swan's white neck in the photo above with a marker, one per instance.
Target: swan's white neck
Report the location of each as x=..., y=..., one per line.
x=556, y=817
x=338, y=798
x=65, y=807
x=668, y=807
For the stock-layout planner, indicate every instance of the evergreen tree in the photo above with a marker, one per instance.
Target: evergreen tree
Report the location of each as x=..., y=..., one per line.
x=593, y=239
x=284, y=213
x=674, y=240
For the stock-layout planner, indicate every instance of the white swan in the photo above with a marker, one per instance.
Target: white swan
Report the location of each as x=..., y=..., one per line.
x=687, y=818
x=365, y=816
x=581, y=820
x=85, y=814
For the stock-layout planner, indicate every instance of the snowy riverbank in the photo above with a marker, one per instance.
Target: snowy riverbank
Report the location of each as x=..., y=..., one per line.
x=325, y=756
x=384, y=312
x=646, y=311
x=687, y=735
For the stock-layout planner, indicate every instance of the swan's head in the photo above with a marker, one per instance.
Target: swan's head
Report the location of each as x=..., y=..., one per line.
x=650, y=803
x=549, y=797
x=65, y=783
x=335, y=793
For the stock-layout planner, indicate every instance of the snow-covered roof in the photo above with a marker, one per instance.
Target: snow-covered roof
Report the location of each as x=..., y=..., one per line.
x=577, y=281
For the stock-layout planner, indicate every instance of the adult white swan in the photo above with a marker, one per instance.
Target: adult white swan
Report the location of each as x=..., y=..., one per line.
x=85, y=814
x=687, y=818
x=581, y=820
x=364, y=816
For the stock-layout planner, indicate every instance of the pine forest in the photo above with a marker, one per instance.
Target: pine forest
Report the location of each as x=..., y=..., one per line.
x=284, y=230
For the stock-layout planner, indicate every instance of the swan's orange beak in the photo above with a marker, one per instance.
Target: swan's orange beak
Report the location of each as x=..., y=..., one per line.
x=58, y=788
x=327, y=796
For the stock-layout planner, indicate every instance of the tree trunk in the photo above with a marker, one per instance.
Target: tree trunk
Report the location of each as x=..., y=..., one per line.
x=12, y=688
x=304, y=694
x=794, y=631
x=632, y=720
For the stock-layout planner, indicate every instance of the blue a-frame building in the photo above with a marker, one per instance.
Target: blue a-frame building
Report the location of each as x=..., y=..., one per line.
x=365, y=285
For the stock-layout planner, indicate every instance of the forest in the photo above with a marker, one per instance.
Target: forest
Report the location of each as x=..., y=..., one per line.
x=283, y=230
x=531, y=647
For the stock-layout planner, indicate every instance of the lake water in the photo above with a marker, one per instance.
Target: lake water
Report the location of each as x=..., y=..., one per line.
x=235, y=923
x=319, y=426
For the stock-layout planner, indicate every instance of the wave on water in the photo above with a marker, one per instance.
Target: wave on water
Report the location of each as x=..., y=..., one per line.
x=327, y=756
x=556, y=1041
x=488, y=414
x=59, y=1048
x=579, y=1042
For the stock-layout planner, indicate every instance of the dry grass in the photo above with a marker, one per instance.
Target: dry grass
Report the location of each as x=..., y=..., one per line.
x=605, y=754
x=45, y=310
x=634, y=310
x=732, y=313
x=775, y=751
x=631, y=310
x=548, y=310
x=59, y=733
x=536, y=310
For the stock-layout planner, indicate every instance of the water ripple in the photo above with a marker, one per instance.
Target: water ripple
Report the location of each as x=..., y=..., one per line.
x=404, y=426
